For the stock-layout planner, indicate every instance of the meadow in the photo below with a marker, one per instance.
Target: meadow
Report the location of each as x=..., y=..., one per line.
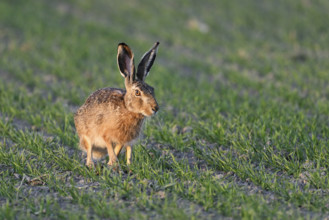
x=243, y=127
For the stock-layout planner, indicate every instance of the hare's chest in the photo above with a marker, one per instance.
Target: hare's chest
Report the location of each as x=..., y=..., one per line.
x=130, y=129
x=124, y=129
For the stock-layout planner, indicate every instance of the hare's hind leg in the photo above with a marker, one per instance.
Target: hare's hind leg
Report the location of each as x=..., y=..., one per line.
x=88, y=147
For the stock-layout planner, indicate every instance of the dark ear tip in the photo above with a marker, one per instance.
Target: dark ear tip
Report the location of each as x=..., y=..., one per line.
x=122, y=44
x=155, y=47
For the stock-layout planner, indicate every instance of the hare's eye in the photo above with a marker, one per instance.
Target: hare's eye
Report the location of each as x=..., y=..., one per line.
x=137, y=92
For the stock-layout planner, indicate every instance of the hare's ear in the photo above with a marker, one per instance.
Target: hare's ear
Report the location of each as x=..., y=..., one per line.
x=126, y=61
x=146, y=63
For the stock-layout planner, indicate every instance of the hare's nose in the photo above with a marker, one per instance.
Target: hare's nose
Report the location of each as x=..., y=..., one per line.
x=155, y=108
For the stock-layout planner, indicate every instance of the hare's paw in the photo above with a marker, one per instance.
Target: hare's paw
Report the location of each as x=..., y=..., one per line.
x=90, y=164
x=114, y=165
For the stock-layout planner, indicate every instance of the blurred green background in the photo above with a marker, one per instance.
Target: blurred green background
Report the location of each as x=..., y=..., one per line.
x=242, y=130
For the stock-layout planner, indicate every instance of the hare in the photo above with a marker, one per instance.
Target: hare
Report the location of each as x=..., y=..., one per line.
x=110, y=118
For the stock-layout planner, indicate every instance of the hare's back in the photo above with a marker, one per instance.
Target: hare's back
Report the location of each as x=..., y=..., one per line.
x=106, y=97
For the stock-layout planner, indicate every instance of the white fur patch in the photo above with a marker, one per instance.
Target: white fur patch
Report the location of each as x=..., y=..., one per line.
x=99, y=142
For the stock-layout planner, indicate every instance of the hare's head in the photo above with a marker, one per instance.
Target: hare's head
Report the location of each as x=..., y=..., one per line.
x=140, y=96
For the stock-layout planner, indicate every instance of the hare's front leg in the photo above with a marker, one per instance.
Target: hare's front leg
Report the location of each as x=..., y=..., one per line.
x=117, y=149
x=88, y=147
x=112, y=157
x=128, y=154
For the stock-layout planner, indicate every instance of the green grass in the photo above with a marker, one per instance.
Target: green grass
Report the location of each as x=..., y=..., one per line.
x=243, y=125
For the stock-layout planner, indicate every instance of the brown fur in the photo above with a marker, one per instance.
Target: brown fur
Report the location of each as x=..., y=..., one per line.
x=112, y=118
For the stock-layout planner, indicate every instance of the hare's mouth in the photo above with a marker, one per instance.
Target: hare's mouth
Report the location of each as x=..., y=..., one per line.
x=149, y=113
x=153, y=113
